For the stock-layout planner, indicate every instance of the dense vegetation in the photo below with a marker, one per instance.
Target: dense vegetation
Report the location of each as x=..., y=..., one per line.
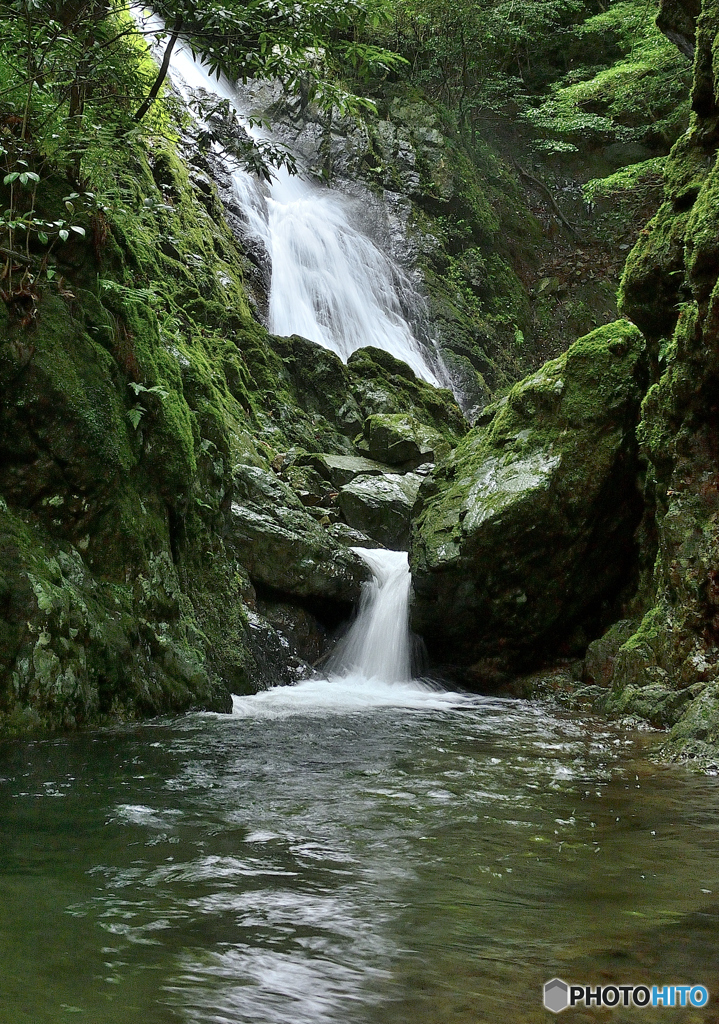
x=578, y=73
x=565, y=76
x=166, y=472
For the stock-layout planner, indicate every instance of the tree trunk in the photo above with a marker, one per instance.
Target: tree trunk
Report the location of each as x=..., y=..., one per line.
x=162, y=73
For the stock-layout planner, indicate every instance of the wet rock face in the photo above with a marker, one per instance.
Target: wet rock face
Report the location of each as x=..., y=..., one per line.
x=381, y=506
x=525, y=535
x=668, y=670
x=601, y=654
x=400, y=440
x=677, y=19
x=282, y=546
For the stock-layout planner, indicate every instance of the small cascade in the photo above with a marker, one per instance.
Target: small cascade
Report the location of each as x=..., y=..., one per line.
x=372, y=665
x=378, y=644
x=330, y=282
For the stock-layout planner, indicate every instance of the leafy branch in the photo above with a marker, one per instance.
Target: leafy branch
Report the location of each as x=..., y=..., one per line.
x=138, y=411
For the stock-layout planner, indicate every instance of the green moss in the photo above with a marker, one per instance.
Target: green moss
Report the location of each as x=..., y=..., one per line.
x=645, y=178
x=649, y=634
x=524, y=533
x=686, y=170
x=654, y=274
x=383, y=384
x=702, y=248
x=640, y=97
x=73, y=648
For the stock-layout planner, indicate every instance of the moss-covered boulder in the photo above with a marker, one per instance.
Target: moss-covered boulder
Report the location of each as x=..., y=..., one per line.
x=523, y=539
x=598, y=667
x=383, y=384
x=400, y=440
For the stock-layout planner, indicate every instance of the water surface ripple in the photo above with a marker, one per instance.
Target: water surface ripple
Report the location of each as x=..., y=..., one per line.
x=391, y=865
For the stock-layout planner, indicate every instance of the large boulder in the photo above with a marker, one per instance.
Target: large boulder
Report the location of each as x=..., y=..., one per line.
x=400, y=440
x=381, y=506
x=341, y=469
x=524, y=538
x=380, y=383
x=283, y=548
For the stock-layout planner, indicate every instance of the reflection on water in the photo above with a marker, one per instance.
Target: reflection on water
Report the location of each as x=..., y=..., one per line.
x=388, y=865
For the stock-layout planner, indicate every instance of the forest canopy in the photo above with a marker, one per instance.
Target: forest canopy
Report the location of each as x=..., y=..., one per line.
x=79, y=77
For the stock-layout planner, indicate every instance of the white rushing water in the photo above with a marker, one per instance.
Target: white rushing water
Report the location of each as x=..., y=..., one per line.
x=378, y=644
x=330, y=282
x=372, y=665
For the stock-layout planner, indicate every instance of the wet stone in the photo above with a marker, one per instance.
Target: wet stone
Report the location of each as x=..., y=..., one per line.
x=381, y=506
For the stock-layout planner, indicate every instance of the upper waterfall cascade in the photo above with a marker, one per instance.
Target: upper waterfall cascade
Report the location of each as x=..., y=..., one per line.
x=330, y=282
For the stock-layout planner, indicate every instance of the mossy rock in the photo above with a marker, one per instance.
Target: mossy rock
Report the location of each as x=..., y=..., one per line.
x=524, y=537
x=284, y=549
x=400, y=440
x=383, y=384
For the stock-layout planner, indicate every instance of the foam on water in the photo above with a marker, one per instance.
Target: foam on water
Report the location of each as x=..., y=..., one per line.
x=346, y=695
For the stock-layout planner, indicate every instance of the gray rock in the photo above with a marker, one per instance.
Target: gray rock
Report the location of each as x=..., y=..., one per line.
x=620, y=154
x=352, y=538
x=342, y=469
x=381, y=506
x=283, y=547
x=307, y=638
x=399, y=439
x=527, y=531
x=274, y=660
x=600, y=656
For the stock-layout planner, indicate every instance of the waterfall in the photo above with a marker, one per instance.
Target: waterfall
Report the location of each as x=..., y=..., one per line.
x=371, y=666
x=378, y=643
x=330, y=282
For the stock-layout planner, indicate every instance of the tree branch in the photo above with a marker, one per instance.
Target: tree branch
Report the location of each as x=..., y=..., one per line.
x=162, y=73
x=543, y=188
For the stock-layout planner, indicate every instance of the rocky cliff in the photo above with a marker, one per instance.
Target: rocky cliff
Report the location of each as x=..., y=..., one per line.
x=167, y=534
x=668, y=670
x=558, y=512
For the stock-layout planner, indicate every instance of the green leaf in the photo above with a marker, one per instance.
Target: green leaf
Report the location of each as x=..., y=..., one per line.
x=42, y=237
x=64, y=234
x=77, y=229
x=9, y=178
x=135, y=414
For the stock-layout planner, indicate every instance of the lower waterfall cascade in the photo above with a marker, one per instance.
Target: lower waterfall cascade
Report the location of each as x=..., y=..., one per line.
x=330, y=283
x=378, y=644
x=371, y=665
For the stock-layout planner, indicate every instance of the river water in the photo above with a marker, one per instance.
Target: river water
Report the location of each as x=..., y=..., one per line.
x=433, y=862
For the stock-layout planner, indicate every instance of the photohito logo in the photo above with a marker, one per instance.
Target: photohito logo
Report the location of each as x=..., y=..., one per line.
x=558, y=995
